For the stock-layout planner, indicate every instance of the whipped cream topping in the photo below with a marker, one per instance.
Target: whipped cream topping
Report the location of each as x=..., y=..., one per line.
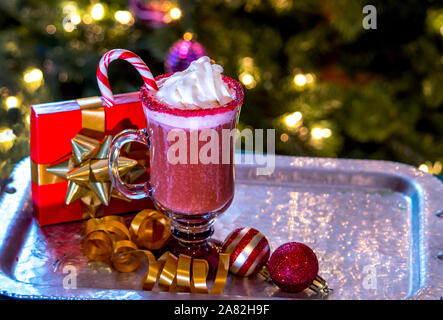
x=200, y=86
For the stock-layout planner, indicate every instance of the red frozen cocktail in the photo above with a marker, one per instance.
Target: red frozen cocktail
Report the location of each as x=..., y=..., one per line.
x=195, y=180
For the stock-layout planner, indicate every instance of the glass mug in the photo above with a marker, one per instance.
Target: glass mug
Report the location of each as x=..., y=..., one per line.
x=189, y=182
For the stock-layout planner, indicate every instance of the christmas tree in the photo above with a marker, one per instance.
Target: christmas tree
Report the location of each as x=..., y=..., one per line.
x=328, y=86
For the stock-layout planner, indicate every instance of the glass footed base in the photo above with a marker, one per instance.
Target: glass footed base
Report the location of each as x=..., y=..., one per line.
x=208, y=251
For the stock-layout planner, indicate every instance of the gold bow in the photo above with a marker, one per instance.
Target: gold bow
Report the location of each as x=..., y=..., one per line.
x=87, y=173
x=108, y=239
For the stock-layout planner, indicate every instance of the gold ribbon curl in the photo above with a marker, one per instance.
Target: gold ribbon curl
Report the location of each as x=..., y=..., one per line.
x=174, y=274
x=108, y=240
x=150, y=229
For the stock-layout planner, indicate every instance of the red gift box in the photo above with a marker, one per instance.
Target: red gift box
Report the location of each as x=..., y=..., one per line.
x=53, y=125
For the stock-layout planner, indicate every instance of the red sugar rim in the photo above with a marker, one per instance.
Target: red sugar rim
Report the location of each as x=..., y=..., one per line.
x=154, y=104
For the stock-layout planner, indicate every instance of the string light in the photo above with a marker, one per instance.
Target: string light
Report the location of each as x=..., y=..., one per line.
x=319, y=133
x=187, y=36
x=437, y=167
x=35, y=75
x=428, y=167
x=248, y=80
x=69, y=8
x=87, y=19
x=76, y=19
x=123, y=17
x=175, y=13
x=63, y=77
x=303, y=133
x=300, y=80
x=247, y=62
x=284, y=137
x=309, y=78
x=51, y=29
x=70, y=21
x=7, y=135
x=68, y=25
x=97, y=11
x=327, y=133
x=293, y=119
x=11, y=102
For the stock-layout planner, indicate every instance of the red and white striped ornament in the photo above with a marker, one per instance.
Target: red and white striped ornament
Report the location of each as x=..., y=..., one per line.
x=132, y=58
x=249, y=251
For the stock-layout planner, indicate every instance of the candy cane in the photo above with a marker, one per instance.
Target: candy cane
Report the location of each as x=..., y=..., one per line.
x=132, y=58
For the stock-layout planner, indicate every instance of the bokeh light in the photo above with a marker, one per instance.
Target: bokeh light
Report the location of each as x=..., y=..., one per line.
x=11, y=102
x=247, y=62
x=248, y=80
x=300, y=80
x=309, y=78
x=68, y=25
x=123, y=17
x=175, y=13
x=293, y=119
x=51, y=29
x=188, y=36
x=87, y=19
x=7, y=135
x=319, y=133
x=76, y=19
x=432, y=168
x=423, y=167
x=97, y=11
x=69, y=8
x=327, y=133
x=34, y=75
x=284, y=137
x=437, y=167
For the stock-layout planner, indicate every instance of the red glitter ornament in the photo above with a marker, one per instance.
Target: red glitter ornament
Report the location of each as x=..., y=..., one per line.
x=293, y=267
x=249, y=251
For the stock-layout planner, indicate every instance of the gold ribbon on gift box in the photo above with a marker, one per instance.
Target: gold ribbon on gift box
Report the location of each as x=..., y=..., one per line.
x=93, y=114
x=93, y=119
x=108, y=240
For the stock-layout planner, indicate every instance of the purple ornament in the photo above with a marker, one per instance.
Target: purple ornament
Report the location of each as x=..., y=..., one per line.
x=182, y=53
x=151, y=13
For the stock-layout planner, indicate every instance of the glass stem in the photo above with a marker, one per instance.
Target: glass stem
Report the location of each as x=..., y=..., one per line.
x=192, y=232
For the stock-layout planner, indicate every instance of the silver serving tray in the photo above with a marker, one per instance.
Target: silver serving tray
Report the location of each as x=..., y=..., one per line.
x=374, y=225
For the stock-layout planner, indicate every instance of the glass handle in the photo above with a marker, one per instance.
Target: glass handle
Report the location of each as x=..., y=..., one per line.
x=131, y=191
